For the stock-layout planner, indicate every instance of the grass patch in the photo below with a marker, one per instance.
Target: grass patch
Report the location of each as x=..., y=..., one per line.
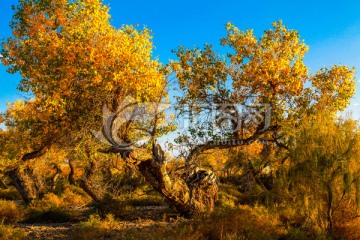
x=11, y=233
x=96, y=228
x=52, y=215
x=49, y=209
x=242, y=222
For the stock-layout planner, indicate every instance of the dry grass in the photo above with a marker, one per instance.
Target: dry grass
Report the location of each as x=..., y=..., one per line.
x=52, y=208
x=11, y=233
x=122, y=219
x=243, y=222
x=349, y=230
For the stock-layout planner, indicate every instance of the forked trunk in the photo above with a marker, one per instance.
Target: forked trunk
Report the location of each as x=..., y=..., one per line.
x=191, y=195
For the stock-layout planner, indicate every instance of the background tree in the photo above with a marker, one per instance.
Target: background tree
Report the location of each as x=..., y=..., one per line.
x=324, y=171
x=265, y=75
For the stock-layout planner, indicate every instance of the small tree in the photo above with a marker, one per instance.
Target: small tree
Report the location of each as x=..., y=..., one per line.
x=324, y=166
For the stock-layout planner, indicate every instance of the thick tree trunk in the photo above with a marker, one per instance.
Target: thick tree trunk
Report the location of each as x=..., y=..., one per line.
x=87, y=187
x=55, y=176
x=203, y=187
x=71, y=177
x=329, y=210
x=23, y=178
x=87, y=184
x=24, y=184
x=193, y=194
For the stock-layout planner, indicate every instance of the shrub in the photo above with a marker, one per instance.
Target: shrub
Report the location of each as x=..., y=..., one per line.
x=51, y=215
x=291, y=217
x=227, y=199
x=11, y=233
x=145, y=196
x=243, y=222
x=10, y=194
x=112, y=206
x=349, y=230
x=95, y=227
x=49, y=200
x=74, y=198
x=9, y=212
x=50, y=208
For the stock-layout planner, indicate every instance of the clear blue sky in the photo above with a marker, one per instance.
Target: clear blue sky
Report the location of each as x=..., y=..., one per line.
x=330, y=28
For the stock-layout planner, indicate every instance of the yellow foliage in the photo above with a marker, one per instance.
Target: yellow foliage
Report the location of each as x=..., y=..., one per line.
x=349, y=230
x=10, y=212
x=69, y=198
x=73, y=61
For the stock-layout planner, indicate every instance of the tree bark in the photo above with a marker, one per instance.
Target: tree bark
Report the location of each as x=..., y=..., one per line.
x=24, y=184
x=87, y=184
x=22, y=177
x=329, y=210
x=55, y=176
x=71, y=177
x=193, y=194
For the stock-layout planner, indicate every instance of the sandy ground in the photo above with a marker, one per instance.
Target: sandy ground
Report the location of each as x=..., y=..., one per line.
x=141, y=217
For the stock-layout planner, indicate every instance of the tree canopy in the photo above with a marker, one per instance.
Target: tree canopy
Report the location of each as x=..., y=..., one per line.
x=72, y=61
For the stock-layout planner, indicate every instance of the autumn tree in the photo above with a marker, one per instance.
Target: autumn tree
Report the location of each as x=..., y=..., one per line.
x=74, y=64
x=83, y=74
x=72, y=61
x=265, y=75
x=323, y=169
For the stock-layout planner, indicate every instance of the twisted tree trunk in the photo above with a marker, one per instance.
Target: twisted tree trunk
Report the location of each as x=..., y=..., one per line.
x=23, y=178
x=87, y=184
x=24, y=184
x=88, y=181
x=193, y=194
